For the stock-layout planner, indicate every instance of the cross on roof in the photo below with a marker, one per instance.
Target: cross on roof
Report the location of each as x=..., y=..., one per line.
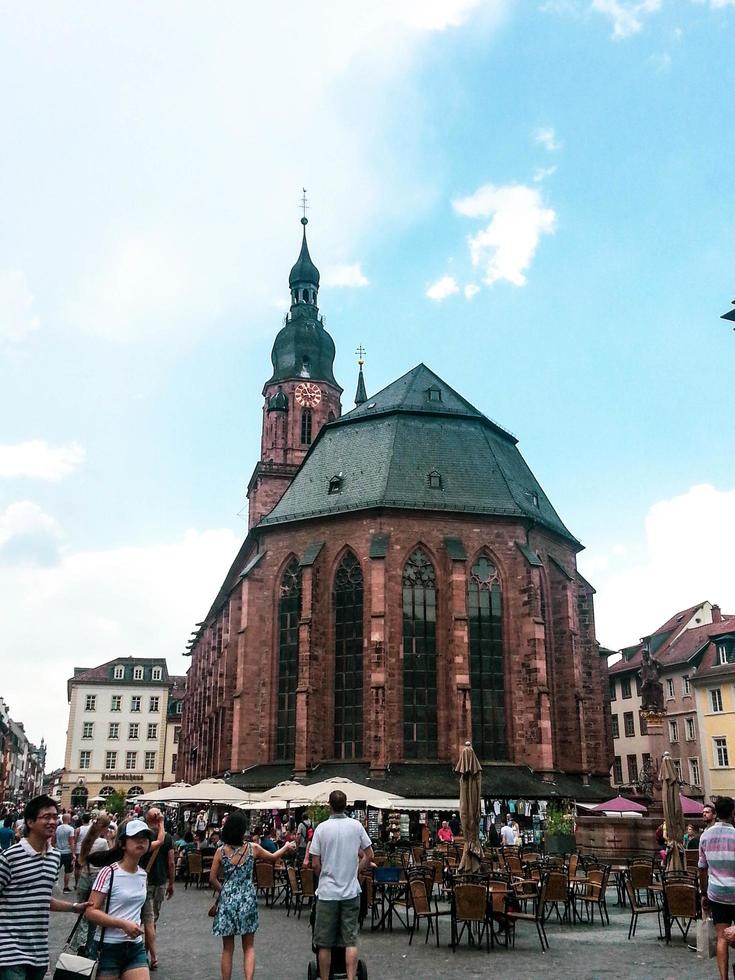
x=304, y=206
x=361, y=352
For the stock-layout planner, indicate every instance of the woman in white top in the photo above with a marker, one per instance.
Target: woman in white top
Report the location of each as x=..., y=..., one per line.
x=122, y=953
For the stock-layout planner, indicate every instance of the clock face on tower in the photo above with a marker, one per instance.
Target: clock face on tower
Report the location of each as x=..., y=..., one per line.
x=308, y=394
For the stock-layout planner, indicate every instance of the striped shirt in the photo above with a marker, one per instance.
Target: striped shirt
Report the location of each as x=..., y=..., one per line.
x=717, y=854
x=26, y=881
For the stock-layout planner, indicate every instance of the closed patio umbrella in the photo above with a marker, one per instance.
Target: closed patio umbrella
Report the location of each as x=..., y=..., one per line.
x=470, y=776
x=672, y=813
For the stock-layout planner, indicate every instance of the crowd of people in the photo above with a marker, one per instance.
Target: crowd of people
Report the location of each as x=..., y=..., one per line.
x=123, y=874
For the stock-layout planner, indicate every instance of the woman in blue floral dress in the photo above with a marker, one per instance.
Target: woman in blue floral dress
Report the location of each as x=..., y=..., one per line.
x=237, y=908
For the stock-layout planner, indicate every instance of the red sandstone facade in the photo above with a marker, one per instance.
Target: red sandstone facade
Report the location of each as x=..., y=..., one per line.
x=555, y=680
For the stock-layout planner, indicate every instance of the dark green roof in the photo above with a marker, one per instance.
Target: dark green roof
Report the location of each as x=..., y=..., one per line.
x=386, y=450
x=304, y=271
x=303, y=348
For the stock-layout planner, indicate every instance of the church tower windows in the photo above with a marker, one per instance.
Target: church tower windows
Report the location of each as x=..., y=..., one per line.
x=487, y=681
x=348, y=660
x=419, y=658
x=289, y=612
x=306, y=427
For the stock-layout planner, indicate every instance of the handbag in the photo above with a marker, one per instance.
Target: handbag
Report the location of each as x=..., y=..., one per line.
x=213, y=907
x=72, y=966
x=706, y=939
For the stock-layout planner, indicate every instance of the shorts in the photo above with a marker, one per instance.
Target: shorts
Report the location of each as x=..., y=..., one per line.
x=116, y=958
x=24, y=972
x=153, y=903
x=722, y=915
x=336, y=922
x=66, y=861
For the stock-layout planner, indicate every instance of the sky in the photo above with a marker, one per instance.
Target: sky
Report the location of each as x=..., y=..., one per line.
x=534, y=199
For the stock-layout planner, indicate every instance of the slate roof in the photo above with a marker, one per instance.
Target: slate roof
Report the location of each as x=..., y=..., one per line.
x=435, y=779
x=386, y=448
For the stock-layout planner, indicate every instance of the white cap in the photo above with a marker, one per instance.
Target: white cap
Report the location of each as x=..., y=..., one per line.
x=134, y=827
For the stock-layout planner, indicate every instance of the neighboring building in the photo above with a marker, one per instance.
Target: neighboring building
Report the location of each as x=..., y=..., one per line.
x=174, y=714
x=116, y=735
x=21, y=762
x=52, y=783
x=714, y=684
x=405, y=585
x=680, y=646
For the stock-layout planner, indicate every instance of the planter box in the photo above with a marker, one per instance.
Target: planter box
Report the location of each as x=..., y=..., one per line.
x=560, y=843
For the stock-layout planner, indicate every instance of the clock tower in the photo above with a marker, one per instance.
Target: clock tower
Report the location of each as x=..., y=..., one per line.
x=300, y=396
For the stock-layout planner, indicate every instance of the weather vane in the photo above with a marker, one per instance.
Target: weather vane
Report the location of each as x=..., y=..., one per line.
x=304, y=206
x=361, y=352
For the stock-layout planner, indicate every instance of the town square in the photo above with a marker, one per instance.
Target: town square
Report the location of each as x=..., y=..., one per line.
x=366, y=490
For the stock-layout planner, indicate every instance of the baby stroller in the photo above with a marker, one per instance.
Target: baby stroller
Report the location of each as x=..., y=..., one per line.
x=337, y=970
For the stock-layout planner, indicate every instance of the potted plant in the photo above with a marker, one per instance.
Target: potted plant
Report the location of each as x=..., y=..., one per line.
x=559, y=831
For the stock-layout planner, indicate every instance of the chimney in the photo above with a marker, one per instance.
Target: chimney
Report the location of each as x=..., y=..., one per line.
x=716, y=614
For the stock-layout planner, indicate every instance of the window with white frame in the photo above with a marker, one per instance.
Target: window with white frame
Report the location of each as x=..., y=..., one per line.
x=715, y=699
x=110, y=760
x=90, y=702
x=722, y=759
x=625, y=687
x=677, y=766
x=119, y=672
x=137, y=673
x=689, y=725
x=133, y=729
x=131, y=760
x=669, y=687
x=177, y=733
x=157, y=673
x=116, y=703
x=694, y=772
x=686, y=685
x=150, y=761
x=114, y=730
x=135, y=703
x=179, y=707
x=153, y=731
x=154, y=704
x=85, y=759
x=88, y=729
x=673, y=731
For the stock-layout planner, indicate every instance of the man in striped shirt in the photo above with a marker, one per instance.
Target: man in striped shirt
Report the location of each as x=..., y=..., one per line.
x=28, y=872
x=717, y=876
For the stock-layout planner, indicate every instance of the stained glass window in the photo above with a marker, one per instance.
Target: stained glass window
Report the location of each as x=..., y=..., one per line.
x=289, y=612
x=487, y=681
x=419, y=658
x=348, y=640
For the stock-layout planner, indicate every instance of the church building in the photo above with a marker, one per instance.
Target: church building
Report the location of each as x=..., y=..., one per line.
x=405, y=585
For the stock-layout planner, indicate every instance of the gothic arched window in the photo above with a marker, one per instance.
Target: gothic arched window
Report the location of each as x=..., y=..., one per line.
x=487, y=681
x=348, y=638
x=306, y=427
x=289, y=613
x=419, y=658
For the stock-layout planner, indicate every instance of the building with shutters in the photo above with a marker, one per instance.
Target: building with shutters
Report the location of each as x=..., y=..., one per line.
x=405, y=585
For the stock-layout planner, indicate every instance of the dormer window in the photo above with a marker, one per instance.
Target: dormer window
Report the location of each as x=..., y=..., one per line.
x=119, y=673
x=725, y=652
x=156, y=674
x=335, y=484
x=434, y=394
x=137, y=673
x=534, y=498
x=435, y=480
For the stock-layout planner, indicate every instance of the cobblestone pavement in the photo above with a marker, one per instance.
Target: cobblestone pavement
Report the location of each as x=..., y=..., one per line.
x=187, y=949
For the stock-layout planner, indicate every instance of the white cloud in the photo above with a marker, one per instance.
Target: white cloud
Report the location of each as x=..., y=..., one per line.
x=505, y=248
x=35, y=459
x=661, y=62
x=690, y=540
x=471, y=289
x=541, y=173
x=95, y=605
x=546, y=136
x=344, y=275
x=28, y=536
x=626, y=18
x=18, y=318
x=439, y=290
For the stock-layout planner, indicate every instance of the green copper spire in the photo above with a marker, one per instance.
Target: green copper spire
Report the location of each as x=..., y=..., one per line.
x=361, y=393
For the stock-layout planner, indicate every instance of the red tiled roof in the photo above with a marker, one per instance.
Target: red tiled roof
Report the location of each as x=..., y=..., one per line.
x=681, y=647
x=679, y=619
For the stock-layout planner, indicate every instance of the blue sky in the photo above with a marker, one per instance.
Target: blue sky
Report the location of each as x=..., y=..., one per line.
x=535, y=200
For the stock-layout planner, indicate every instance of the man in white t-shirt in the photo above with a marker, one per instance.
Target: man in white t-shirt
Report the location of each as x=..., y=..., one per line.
x=336, y=858
x=507, y=835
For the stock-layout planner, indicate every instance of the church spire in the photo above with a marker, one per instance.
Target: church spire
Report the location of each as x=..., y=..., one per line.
x=303, y=280
x=361, y=393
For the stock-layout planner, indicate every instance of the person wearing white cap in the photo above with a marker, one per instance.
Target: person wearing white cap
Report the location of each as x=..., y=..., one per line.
x=116, y=903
